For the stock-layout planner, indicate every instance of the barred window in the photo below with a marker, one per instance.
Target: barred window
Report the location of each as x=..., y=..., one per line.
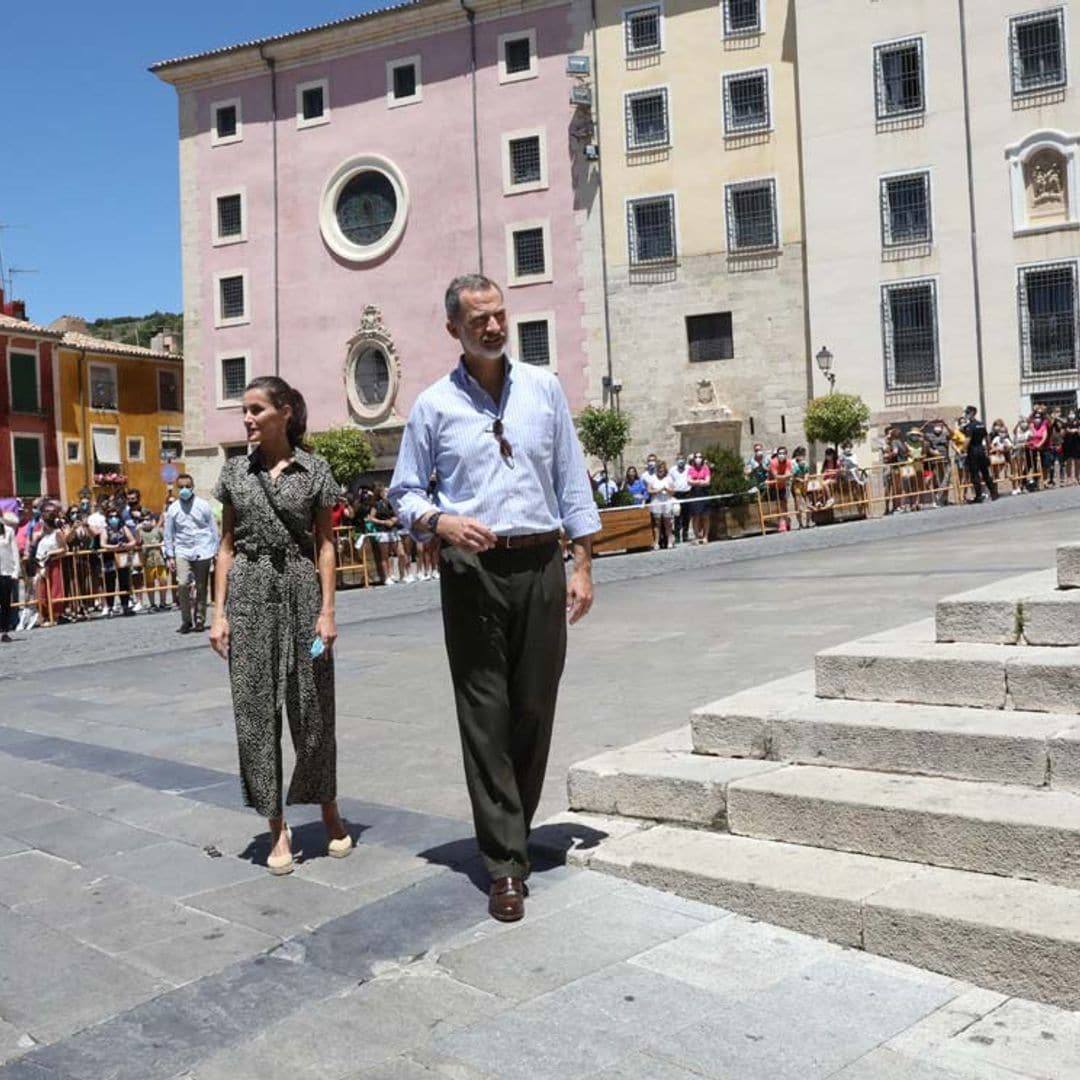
x=746, y=102
x=909, y=332
x=529, y=253
x=742, y=17
x=647, y=120
x=525, y=164
x=534, y=344
x=312, y=103
x=232, y=297
x=517, y=55
x=172, y=444
x=1048, y=318
x=225, y=121
x=230, y=220
x=751, y=215
x=233, y=377
x=708, y=337
x=1037, y=47
x=651, y=230
x=642, y=30
x=905, y=210
x=898, y=73
x=1055, y=399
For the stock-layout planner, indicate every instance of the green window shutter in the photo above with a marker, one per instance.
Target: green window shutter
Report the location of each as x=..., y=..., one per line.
x=27, y=466
x=24, y=383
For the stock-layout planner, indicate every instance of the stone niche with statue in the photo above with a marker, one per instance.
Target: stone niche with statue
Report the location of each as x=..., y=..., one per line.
x=1045, y=173
x=708, y=422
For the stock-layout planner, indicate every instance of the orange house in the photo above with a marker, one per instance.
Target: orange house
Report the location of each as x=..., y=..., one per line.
x=119, y=416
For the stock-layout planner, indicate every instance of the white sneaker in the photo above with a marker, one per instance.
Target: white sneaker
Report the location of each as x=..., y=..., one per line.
x=425, y=576
x=435, y=574
x=410, y=578
x=389, y=581
x=136, y=606
x=32, y=620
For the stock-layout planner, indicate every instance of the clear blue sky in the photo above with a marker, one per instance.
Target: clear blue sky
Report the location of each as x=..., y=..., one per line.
x=88, y=142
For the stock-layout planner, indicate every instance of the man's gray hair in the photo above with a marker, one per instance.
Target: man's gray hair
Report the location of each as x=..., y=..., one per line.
x=465, y=283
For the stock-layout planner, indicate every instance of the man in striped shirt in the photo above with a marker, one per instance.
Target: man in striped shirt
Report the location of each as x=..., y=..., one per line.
x=509, y=475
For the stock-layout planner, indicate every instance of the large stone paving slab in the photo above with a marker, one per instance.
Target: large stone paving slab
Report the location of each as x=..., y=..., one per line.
x=175, y=869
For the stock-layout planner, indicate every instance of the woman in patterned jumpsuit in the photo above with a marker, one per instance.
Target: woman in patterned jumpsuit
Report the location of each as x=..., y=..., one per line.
x=271, y=606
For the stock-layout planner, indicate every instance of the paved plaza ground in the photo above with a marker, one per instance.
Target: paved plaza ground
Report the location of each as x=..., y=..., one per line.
x=141, y=938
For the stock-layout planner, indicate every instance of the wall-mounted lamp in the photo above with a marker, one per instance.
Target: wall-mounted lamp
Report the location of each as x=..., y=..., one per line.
x=824, y=362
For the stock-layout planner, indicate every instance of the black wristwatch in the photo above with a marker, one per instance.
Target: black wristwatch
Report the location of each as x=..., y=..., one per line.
x=433, y=522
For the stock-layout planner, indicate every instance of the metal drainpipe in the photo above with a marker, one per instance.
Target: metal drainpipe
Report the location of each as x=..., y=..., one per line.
x=88, y=440
x=470, y=14
x=272, y=67
x=971, y=210
x=613, y=398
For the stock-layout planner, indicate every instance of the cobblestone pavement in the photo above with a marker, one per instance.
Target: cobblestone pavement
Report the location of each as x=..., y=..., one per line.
x=141, y=938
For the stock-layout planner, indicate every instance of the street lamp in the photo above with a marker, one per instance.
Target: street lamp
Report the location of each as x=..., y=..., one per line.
x=824, y=362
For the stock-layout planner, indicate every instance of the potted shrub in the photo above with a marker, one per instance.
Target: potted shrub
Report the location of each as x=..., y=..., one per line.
x=731, y=516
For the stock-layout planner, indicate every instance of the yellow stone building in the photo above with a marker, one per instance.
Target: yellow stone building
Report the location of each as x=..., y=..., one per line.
x=119, y=413
x=698, y=140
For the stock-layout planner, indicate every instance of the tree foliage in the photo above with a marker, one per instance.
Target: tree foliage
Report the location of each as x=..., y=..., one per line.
x=604, y=432
x=727, y=473
x=347, y=451
x=137, y=329
x=836, y=418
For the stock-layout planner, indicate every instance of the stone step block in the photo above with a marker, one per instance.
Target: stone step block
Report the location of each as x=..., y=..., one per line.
x=659, y=779
x=1068, y=566
x=785, y=721
x=986, y=828
x=1016, y=937
x=992, y=613
x=1051, y=620
x=931, y=673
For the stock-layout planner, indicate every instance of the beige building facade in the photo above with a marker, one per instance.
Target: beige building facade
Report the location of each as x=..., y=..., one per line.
x=940, y=162
x=699, y=147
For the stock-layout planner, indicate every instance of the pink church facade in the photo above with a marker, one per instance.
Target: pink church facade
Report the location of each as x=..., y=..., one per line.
x=331, y=186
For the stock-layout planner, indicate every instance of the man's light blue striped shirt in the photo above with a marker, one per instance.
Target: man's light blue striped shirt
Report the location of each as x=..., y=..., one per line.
x=450, y=433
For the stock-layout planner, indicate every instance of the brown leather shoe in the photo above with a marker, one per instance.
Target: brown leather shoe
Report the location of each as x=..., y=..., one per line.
x=507, y=899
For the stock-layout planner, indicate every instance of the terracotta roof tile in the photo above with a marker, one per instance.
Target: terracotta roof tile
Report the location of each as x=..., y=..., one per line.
x=9, y=322
x=255, y=42
x=96, y=344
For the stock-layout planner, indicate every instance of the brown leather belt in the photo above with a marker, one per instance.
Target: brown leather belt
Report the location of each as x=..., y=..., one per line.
x=514, y=543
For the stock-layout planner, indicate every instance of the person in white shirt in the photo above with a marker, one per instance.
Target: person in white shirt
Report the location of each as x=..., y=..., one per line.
x=661, y=488
x=605, y=486
x=9, y=571
x=191, y=542
x=680, y=476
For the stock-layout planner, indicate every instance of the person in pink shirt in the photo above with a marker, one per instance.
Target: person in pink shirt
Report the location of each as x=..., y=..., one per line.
x=777, y=485
x=700, y=476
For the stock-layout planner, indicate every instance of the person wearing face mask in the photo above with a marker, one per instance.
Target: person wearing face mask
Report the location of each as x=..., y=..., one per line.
x=680, y=477
x=700, y=478
x=152, y=536
x=1021, y=456
x=777, y=484
x=1001, y=449
x=1039, y=446
x=977, y=457
x=191, y=542
x=116, y=551
x=939, y=465
x=1070, y=447
x=50, y=575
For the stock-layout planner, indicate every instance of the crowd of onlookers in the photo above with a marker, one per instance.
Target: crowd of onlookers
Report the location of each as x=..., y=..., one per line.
x=921, y=465
x=114, y=556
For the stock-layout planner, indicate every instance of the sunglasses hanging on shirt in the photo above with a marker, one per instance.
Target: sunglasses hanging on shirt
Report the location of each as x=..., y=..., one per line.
x=506, y=451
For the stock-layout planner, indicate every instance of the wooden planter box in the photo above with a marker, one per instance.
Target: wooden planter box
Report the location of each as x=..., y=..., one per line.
x=626, y=529
x=733, y=521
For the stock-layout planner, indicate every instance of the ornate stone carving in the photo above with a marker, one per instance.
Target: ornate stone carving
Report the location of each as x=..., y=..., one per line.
x=372, y=337
x=706, y=395
x=1046, y=185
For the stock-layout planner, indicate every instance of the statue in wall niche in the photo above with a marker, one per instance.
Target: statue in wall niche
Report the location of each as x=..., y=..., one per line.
x=1046, y=184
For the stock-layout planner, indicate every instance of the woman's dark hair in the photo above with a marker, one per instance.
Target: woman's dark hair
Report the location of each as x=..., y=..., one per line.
x=281, y=394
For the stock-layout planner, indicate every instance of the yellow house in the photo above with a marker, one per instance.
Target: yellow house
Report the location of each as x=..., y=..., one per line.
x=698, y=146
x=119, y=416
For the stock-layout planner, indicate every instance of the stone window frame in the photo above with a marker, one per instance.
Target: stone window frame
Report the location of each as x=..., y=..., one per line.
x=731, y=129
x=220, y=321
x=177, y=373
x=513, y=279
x=636, y=9
x=530, y=317
x=533, y=69
x=31, y=351
x=219, y=359
x=415, y=62
x=634, y=258
x=881, y=110
x=138, y=458
x=509, y=187
x=1027, y=372
x=629, y=97
x=331, y=232
x=238, y=135
x=103, y=365
x=1019, y=154
x=751, y=31
x=772, y=185
x=78, y=457
x=216, y=238
x=887, y=241
x=324, y=117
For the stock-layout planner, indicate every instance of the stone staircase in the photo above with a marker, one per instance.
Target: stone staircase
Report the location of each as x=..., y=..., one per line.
x=916, y=796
